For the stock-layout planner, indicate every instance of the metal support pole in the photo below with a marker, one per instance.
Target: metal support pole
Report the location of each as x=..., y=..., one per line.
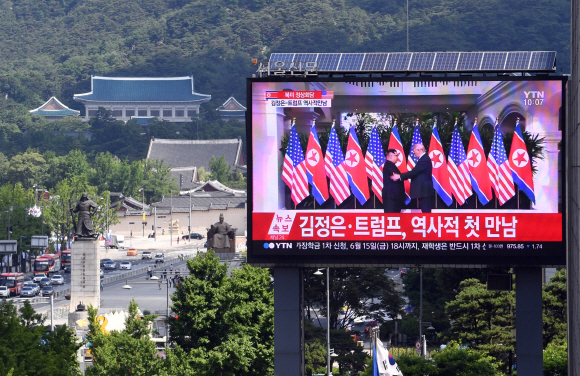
x=9, y=210
x=155, y=223
x=167, y=325
x=189, y=225
x=51, y=313
x=171, y=220
x=421, y=310
x=328, y=365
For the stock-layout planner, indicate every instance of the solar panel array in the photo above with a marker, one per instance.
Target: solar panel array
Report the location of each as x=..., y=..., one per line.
x=422, y=61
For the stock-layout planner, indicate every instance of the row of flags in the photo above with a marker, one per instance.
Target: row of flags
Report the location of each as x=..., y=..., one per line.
x=457, y=176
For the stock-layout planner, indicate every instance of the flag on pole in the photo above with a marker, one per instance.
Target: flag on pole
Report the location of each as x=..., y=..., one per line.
x=334, y=166
x=386, y=364
x=440, y=172
x=355, y=168
x=395, y=143
x=500, y=172
x=521, y=164
x=315, y=167
x=412, y=159
x=458, y=167
x=478, y=167
x=294, y=169
x=375, y=160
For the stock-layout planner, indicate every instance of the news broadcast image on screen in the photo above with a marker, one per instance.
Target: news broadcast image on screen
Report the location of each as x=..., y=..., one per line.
x=407, y=171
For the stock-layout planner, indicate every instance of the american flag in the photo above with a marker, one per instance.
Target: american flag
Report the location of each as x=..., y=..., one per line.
x=294, y=169
x=375, y=160
x=412, y=160
x=458, y=169
x=500, y=172
x=333, y=164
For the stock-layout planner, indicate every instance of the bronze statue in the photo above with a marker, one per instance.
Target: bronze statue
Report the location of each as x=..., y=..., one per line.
x=84, y=225
x=221, y=236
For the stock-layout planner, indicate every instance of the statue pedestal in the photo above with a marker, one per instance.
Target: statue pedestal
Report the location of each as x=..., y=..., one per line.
x=85, y=279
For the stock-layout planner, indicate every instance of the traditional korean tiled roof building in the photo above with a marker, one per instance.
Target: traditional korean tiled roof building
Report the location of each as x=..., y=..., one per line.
x=185, y=157
x=167, y=98
x=53, y=109
x=232, y=109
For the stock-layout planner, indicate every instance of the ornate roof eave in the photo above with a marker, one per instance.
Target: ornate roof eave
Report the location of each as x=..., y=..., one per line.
x=57, y=101
x=221, y=108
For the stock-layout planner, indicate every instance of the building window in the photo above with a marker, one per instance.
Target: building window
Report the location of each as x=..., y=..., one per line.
x=191, y=113
x=167, y=113
x=155, y=113
x=118, y=113
x=178, y=113
x=92, y=112
x=142, y=112
x=129, y=113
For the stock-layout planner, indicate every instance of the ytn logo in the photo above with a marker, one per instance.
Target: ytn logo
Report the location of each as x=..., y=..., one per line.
x=278, y=245
x=534, y=94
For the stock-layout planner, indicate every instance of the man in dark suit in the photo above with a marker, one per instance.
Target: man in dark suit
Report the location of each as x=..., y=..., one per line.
x=421, y=179
x=393, y=191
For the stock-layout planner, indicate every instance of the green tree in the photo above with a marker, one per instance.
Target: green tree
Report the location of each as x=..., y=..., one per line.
x=27, y=348
x=28, y=168
x=225, y=323
x=454, y=360
x=220, y=170
x=483, y=320
x=413, y=365
x=556, y=359
x=157, y=180
x=554, y=309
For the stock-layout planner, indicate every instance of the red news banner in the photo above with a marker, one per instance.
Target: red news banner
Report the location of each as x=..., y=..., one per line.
x=320, y=225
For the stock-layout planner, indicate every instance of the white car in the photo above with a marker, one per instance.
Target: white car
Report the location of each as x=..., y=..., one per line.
x=4, y=291
x=146, y=255
x=126, y=265
x=38, y=277
x=57, y=280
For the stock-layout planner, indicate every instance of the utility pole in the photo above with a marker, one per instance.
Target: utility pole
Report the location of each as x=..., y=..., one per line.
x=189, y=225
x=171, y=219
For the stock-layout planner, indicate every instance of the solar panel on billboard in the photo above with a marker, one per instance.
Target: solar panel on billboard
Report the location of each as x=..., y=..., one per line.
x=305, y=58
x=493, y=60
x=350, y=62
x=422, y=61
x=469, y=60
x=328, y=62
x=518, y=60
x=374, y=62
x=286, y=58
x=445, y=61
x=398, y=61
x=542, y=60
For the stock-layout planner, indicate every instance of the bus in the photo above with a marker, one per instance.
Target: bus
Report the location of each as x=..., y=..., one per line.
x=46, y=264
x=66, y=258
x=14, y=282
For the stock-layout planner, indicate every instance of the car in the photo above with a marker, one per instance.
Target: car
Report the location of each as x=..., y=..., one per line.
x=5, y=291
x=126, y=265
x=47, y=291
x=27, y=279
x=38, y=277
x=103, y=261
x=102, y=273
x=146, y=255
x=193, y=235
x=132, y=252
x=27, y=292
x=44, y=282
x=57, y=280
x=67, y=268
x=110, y=265
x=159, y=257
x=34, y=286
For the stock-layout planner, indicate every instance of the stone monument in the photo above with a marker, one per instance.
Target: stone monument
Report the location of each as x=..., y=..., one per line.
x=174, y=227
x=221, y=237
x=85, y=278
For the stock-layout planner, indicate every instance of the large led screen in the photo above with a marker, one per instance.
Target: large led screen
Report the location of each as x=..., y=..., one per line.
x=406, y=172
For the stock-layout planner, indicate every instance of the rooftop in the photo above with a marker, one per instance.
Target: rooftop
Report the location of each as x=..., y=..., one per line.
x=53, y=107
x=195, y=153
x=142, y=89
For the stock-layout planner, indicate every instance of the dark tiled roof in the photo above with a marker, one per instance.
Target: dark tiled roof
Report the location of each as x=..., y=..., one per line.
x=230, y=106
x=87, y=135
x=131, y=89
x=190, y=153
x=53, y=107
x=203, y=201
x=188, y=182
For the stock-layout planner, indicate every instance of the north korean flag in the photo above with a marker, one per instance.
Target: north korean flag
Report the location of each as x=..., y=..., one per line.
x=441, y=181
x=395, y=143
x=521, y=164
x=315, y=168
x=478, y=167
x=354, y=164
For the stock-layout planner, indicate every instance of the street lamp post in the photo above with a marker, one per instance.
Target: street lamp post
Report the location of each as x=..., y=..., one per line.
x=328, y=365
x=189, y=225
x=143, y=207
x=171, y=219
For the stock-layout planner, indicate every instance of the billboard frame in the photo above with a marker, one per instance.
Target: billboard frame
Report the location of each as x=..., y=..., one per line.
x=406, y=261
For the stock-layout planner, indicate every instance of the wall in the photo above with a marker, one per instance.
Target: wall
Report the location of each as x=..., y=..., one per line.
x=200, y=221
